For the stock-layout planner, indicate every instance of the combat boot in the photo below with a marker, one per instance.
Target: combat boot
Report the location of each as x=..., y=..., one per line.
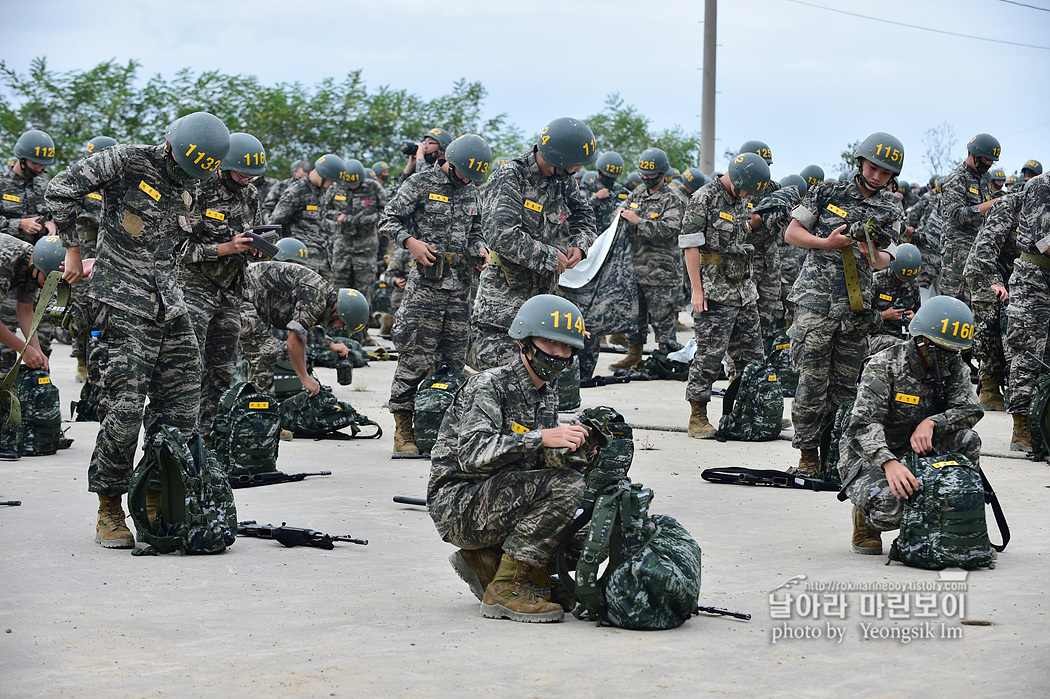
x=110, y=531
x=404, y=438
x=866, y=538
x=386, y=326
x=368, y=341
x=1021, y=439
x=634, y=355
x=476, y=568
x=808, y=464
x=671, y=346
x=991, y=399
x=81, y=370
x=152, y=504
x=699, y=426
x=619, y=339
x=511, y=595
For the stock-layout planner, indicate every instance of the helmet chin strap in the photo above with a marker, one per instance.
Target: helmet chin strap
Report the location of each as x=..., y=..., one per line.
x=865, y=183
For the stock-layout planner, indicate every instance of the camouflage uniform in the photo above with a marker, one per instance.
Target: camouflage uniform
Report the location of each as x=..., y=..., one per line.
x=399, y=267
x=605, y=209
x=1029, y=309
x=431, y=326
x=656, y=259
x=16, y=261
x=829, y=342
x=884, y=417
x=765, y=263
x=264, y=185
x=301, y=210
x=992, y=262
x=961, y=194
x=520, y=223
x=888, y=292
x=775, y=211
x=355, y=241
x=212, y=285
x=489, y=485
x=269, y=201
x=928, y=238
x=717, y=223
x=146, y=346
x=286, y=296
x=89, y=214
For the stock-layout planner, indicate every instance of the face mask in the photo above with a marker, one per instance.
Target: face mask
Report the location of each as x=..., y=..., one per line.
x=28, y=172
x=652, y=182
x=175, y=170
x=453, y=176
x=944, y=359
x=982, y=167
x=606, y=181
x=230, y=183
x=546, y=366
x=431, y=157
x=561, y=173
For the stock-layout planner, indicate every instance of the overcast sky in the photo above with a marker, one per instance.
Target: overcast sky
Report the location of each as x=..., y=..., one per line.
x=805, y=80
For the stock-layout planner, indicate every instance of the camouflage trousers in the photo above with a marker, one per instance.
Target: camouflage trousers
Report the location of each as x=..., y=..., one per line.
x=715, y=329
x=259, y=349
x=869, y=490
x=989, y=319
x=1029, y=323
x=80, y=317
x=589, y=355
x=492, y=347
x=135, y=359
x=431, y=328
x=523, y=512
x=766, y=276
x=791, y=259
x=216, y=317
x=354, y=264
x=317, y=245
x=952, y=282
x=9, y=317
x=828, y=358
x=657, y=305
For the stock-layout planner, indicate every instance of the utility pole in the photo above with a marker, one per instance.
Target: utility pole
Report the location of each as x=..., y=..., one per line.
x=707, y=117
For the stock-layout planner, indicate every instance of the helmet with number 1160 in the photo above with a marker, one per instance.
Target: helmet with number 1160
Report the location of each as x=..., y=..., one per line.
x=946, y=321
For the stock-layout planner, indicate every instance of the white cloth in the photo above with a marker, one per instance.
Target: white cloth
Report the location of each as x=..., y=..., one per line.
x=585, y=272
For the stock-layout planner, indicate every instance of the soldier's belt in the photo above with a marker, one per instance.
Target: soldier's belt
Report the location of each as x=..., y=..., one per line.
x=849, y=269
x=711, y=258
x=443, y=265
x=1037, y=260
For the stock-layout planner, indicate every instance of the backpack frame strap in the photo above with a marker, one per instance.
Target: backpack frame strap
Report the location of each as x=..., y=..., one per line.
x=1000, y=518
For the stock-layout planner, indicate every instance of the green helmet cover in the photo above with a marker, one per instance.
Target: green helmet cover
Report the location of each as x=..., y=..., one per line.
x=693, y=178
x=353, y=171
x=653, y=161
x=984, y=145
x=99, y=143
x=48, y=254
x=199, y=142
x=566, y=143
x=550, y=317
x=1034, y=166
x=470, y=155
x=749, y=172
x=352, y=307
x=946, y=321
x=37, y=146
x=246, y=155
x=796, y=181
x=758, y=148
x=633, y=180
x=908, y=263
x=444, y=138
x=883, y=150
x=610, y=163
x=291, y=250
x=330, y=167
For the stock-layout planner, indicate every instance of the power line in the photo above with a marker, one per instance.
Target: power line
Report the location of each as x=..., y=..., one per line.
x=925, y=29
x=1021, y=4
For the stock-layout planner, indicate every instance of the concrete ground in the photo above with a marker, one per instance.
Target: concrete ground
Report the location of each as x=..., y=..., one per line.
x=392, y=619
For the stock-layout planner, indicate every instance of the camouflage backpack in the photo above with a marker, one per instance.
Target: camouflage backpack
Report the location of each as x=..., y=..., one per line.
x=753, y=406
x=323, y=415
x=831, y=444
x=40, y=431
x=569, y=387
x=778, y=354
x=658, y=366
x=433, y=399
x=86, y=409
x=246, y=431
x=197, y=513
x=1039, y=419
x=943, y=525
x=381, y=293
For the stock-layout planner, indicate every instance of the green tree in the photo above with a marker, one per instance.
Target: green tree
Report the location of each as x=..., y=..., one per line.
x=622, y=128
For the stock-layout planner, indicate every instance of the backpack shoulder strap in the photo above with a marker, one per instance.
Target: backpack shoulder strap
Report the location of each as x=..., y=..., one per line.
x=997, y=510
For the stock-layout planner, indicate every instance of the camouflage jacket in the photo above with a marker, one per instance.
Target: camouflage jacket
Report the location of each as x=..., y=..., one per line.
x=16, y=257
x=494, y=424
x=991, y=260
x=655, y=255
x=399, y=266
x=89, y=216
x=888, y=292
x=288, y=296
x=520, y=222
x=430, y=208
x=605, y=208
x=20, y=199
x=272, y=196
x=821, y=284
x=762, y=237
x=145, y=215
x=263, y=185
x=896, y=393
x=961, y=194
x=918, y=212
x=301, y=210
x=220, y=214
x=717, y=224
x=363, y=209
x=1035, y=214
x=776, y=209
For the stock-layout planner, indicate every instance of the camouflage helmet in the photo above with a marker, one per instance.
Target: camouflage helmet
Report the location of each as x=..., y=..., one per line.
x=331, y=167
x=749, y=172
x=653, y=161
x=693, y=178
x=99, y=143
x=984, y=145
x=566, y=143
x=353, y=172
x=812, y=174
x=444, y=138
x=610, y=163
x=796, y=181
x=471, y=156
x=946, y=321
x=908, y=263
x=550, y=317
x=633, y=180
x=291, y=250
x=199, y=142
x=48, y=254
x=883, y=150
x=1033, y=166
x=37, y=146
x=246, y=155
x=758, y=148
x=378, y=167
x=352, y=308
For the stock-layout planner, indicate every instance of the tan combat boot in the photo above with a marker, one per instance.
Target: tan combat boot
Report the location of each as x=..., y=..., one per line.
x=476, y=568
x=619, y=339
x=81, y=370
x=866, y=538
x=808, y=464
x=991, y=398
x=634, y=355
x=1021, y=439
x=110, y=531
x=511, y=595
x=404, y=438
x=699, y=426
x=386, y=326
x=152, y=504
x=286, y=435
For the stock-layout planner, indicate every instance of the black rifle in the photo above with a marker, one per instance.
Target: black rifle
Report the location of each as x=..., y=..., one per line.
x=255, y=480
x=751, y=476
x=293, y=536
x=12, y=503
x=263, y=239
x=724, y=612
x=405, y=500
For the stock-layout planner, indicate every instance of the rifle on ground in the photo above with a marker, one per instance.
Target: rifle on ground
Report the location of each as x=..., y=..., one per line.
x=264, y=239
x=293, y=536
x=405, y=500
x=750, y=476
x=12, y=503
x=255, y=480
x=724, y=612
